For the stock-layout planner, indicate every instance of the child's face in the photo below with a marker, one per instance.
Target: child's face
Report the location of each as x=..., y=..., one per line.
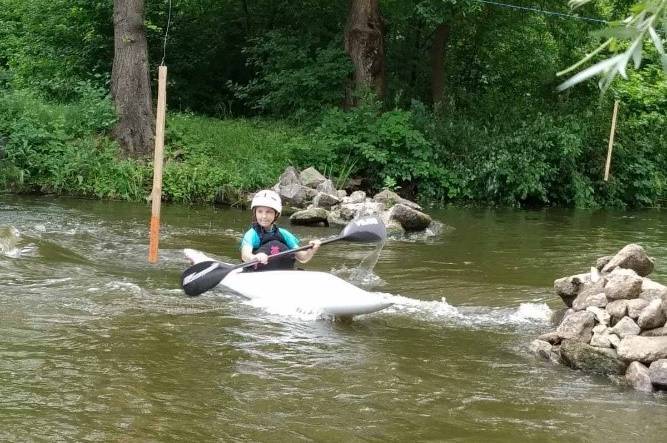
x=265, y=216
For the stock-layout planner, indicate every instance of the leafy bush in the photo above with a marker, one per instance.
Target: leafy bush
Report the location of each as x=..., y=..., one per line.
x=385, y=147
x=293, y=74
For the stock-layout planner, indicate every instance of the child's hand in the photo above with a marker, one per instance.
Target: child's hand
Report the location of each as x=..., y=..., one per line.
x=261, y=258
x=316, y=245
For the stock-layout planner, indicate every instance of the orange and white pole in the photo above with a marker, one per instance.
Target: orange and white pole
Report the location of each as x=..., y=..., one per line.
x=158, y=159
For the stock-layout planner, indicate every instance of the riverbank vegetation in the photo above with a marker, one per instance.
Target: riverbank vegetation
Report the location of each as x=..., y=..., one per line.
x=464, y=108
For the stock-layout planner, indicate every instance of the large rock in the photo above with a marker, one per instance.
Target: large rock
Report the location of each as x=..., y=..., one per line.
x=541, y=349
x=601, y=316
x=327, y=187
x=657, y=372
x=635, y=307
x=580, y=355
x=643, y=349
x=410, y=219
x=577, y=326
x=550, y=337
x=390, y=198
x=623, y=285
x=656, y=332
x=289, y=177
x=296, y=195
x=602, y=338
x=312, y=216
x=567, y=288
x=355, y=197
x=652, y=316
x=632, y=257
x=617, y=309
x=590, y=297
x=326, y=201
x=653, y=291
x=638, y=377
x=311, y=177
x=602, y=262
x=625, y=328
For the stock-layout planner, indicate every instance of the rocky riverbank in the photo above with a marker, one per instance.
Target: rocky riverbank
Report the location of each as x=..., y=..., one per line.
x=614, y=323
x=309, y=198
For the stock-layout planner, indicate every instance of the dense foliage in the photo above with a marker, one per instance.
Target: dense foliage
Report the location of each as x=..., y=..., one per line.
x=501, y=134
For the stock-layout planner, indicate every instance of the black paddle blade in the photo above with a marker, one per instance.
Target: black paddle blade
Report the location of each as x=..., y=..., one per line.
x=203, y=276
x=368, y=229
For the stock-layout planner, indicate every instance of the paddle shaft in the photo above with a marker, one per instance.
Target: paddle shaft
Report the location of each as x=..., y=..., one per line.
x=290, y=251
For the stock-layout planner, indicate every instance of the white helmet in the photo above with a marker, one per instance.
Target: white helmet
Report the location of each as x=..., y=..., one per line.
x=267, y=198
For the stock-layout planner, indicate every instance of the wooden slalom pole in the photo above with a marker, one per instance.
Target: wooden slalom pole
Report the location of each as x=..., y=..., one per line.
x=156, y=196
x=611, y=141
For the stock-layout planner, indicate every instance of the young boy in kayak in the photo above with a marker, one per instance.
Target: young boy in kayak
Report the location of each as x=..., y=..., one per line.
x=264, y=238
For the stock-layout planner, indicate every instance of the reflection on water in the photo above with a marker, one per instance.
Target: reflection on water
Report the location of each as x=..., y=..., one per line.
x=99, y=345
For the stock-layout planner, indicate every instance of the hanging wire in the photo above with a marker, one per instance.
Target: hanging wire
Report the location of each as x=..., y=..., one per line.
x=166, y=33
x=542, y=11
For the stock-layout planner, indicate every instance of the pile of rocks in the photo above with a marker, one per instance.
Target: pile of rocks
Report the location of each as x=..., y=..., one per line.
x=615, y=321
x=309, y=198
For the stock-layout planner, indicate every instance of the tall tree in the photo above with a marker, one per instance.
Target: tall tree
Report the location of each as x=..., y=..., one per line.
x=130, y=81
x=364, y=43
x=440, y=40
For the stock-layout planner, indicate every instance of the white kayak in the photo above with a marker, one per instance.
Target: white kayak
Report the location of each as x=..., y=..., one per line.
x=306, y=291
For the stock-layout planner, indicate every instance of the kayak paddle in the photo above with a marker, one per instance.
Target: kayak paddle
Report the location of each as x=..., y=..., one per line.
x=206, y=275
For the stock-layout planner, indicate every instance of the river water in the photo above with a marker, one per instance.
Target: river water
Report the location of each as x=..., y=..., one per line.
x=96, y=344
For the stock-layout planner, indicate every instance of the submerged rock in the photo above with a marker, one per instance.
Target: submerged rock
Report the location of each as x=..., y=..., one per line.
x=580, y=355
x=638, y=377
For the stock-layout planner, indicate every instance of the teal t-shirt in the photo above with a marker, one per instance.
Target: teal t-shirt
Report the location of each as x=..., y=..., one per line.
x=252, y=238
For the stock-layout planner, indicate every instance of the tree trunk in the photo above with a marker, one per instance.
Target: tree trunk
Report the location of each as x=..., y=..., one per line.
x=364, y=43
x=438, y=63
x=130, y=81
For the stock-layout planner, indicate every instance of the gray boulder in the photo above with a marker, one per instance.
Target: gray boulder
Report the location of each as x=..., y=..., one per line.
x=602, y=338
x=625, y=328
x=326, y=201
x=328, y=188
x=311, y=177
x=643, y=349
x=655, y=332
x=289, y=177
x=580, y=355
x=601, y=316
x=550, y=337
x=617, y=309
x=311, y=216
x=635, y=307
x=541, y=349
x=632, y=257
x=577, y=326
x=623, y=285
x=602, y=261
x=567, y=288
x=657, y=372
x=652, y=316
x=390, y=198
x=355, y=197
x=410, y=219
x=296, y=195
x=590, y=297
x=638, y=377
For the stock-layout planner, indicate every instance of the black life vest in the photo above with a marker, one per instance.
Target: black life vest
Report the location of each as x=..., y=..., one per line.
x=272, y=242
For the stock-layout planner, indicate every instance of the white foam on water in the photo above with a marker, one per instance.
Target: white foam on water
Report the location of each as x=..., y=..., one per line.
x=531, y=313
x=9, y=237
x=473, y=316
